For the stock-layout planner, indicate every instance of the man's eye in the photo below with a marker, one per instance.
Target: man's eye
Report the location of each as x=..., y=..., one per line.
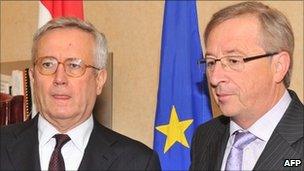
x=210, y=63
x=234, y=61
x=47, y=65
x=74, y=66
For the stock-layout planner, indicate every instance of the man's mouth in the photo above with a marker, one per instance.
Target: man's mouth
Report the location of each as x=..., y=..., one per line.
x=61, y=96
x=222, y=97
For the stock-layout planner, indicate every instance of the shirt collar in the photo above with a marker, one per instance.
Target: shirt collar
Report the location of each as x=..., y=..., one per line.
x=264, y=127
x=79, y=135
x=234, y=127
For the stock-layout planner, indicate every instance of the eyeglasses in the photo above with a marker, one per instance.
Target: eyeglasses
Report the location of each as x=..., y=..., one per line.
x=73, y=67
x=233, y=62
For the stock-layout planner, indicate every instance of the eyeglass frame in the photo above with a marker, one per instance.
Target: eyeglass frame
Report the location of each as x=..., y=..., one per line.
x=245, y=59
x=64, y=67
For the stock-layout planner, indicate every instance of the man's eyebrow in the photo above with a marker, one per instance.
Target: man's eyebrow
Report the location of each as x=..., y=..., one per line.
x=208, y=54
x=235, y=51
x=228, y=52
x=48, y=56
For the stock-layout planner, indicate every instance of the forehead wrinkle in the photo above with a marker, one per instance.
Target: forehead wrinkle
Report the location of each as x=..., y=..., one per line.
x=237, y=41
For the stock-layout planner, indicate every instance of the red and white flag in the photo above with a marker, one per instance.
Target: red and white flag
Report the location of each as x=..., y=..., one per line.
x=49, y=9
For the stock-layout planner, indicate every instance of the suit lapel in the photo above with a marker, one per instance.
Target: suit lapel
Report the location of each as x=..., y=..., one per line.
x=288, y=131
x=213, y=152
x=99, y=152
x=23, y=152
x=275, y=153
x=221, y=144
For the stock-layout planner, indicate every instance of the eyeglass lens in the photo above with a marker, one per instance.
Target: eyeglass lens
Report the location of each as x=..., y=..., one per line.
x=74, y=67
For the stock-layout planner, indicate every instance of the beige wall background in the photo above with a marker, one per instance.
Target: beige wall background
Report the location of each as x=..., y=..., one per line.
x=133, y=30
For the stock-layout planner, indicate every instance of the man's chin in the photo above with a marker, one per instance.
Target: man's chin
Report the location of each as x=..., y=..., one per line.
x=61, y=114
x=228, y=111
x=228, y=114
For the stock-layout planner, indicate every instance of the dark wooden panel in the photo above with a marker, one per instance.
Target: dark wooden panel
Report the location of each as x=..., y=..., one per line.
x=8, y=67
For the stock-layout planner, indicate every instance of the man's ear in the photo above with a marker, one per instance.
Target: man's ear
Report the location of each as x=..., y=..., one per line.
x=281, y=64
x=101, y=80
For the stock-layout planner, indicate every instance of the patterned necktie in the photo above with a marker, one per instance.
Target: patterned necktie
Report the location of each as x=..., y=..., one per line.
x=235, y=157
x=57, y=162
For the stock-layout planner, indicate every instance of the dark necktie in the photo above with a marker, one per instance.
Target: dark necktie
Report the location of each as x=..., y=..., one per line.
x=235, y=157
x=57, y=162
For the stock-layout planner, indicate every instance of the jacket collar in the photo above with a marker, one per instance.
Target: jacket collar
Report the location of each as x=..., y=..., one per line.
x=100, y=152
x=281, y=144
x=23, y=151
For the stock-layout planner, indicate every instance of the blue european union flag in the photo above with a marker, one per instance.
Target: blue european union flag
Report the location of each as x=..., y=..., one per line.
x=183, y=99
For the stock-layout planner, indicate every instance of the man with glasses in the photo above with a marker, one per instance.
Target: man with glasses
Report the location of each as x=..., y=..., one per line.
x=248, y=60
x=69, y=58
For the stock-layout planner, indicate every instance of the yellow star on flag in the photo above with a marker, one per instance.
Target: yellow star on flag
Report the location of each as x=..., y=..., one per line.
x=175, y=130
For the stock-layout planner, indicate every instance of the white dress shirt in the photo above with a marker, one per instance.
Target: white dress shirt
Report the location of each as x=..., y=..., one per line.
x=72, y=151
x=262, y=129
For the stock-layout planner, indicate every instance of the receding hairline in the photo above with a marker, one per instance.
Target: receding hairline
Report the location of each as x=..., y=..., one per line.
x=254, y=15
x=50, y=30
x=93, y=39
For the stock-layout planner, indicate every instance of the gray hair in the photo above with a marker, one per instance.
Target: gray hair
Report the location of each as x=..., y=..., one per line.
x=100, y=51
x=276, y=36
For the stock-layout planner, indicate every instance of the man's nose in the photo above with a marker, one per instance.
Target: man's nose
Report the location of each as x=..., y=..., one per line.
x=61, y=77
x=218, y=74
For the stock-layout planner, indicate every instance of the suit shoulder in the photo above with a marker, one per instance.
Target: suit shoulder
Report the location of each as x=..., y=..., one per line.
x=133, y=144
x=9, y=130
x=125, y=143
x=131, y=154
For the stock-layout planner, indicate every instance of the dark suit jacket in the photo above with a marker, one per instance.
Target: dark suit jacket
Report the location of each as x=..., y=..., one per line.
x=106, y=150
x=286, y=142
